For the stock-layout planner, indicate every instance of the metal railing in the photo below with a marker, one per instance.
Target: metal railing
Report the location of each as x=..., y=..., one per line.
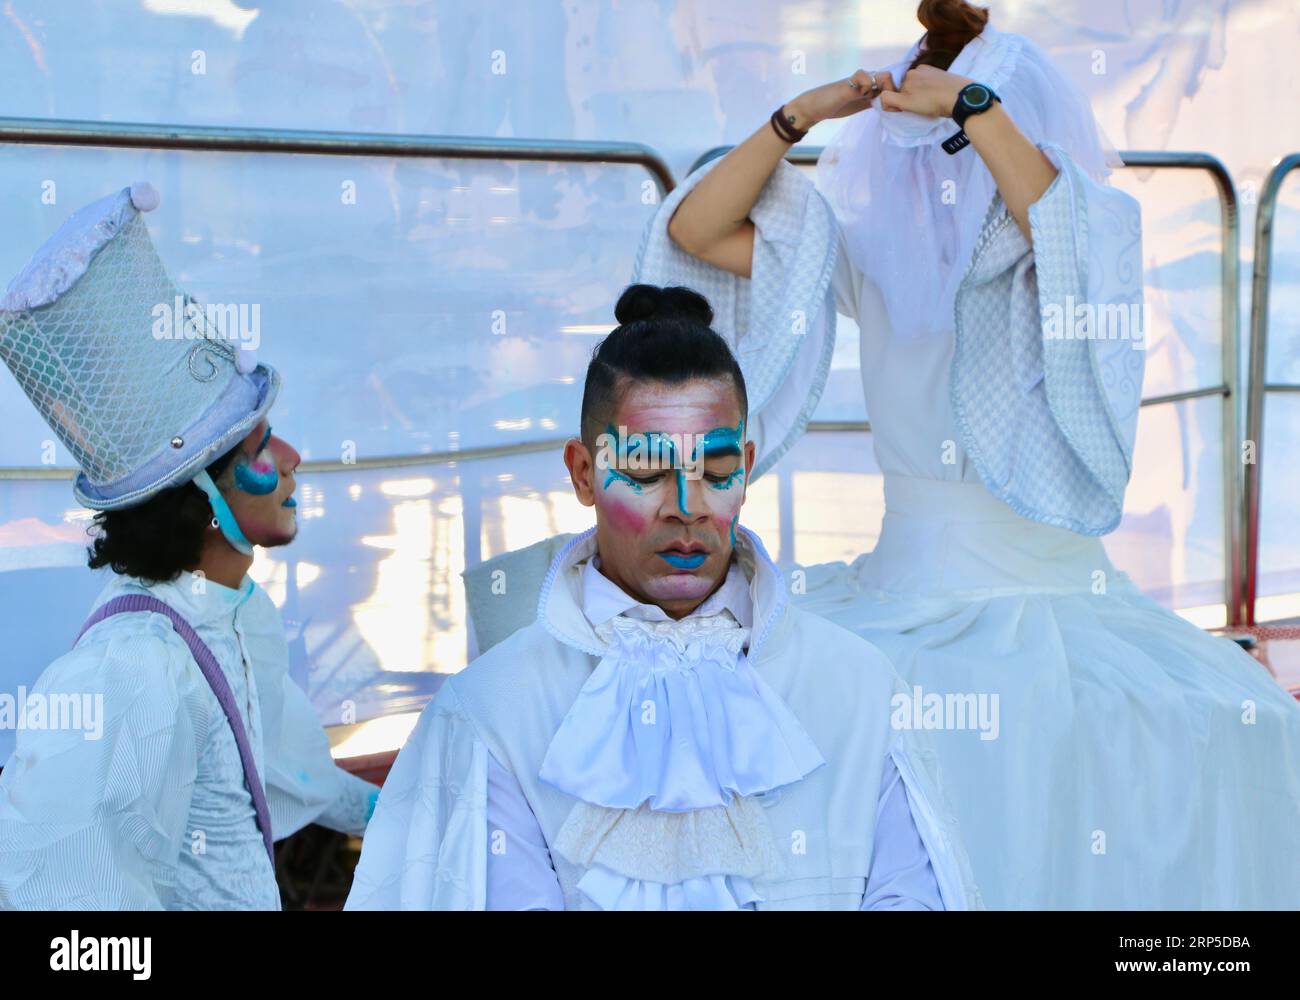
x=1234, y=528
x=1265, y=218
x=129, y=135
x=1239, y=519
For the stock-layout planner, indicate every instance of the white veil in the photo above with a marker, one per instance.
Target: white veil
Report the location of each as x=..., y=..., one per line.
x=911, y=212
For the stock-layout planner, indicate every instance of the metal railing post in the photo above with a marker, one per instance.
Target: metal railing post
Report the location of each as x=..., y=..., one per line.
x=1265, y=217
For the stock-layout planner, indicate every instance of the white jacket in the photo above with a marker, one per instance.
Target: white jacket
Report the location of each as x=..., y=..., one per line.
x=427, y=847
x=152, y=810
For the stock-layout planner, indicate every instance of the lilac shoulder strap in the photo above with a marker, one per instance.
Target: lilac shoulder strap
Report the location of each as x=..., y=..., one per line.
x=211, y=670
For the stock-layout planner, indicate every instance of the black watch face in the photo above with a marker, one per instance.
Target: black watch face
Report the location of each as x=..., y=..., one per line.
x=976, y=96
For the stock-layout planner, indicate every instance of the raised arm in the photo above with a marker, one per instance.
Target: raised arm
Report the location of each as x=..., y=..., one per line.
x=712, y=222
x=1023, y=174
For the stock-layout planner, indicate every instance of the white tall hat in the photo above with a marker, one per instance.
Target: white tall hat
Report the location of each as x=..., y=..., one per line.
x=138, y=413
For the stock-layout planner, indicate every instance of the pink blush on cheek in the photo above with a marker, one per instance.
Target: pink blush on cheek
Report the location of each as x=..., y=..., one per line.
x=622, y=518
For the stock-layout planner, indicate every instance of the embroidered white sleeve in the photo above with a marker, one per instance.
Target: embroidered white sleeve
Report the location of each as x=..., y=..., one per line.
x=1046, y=371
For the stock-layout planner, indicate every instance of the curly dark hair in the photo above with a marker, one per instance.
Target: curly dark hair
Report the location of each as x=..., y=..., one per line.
x=157, y=540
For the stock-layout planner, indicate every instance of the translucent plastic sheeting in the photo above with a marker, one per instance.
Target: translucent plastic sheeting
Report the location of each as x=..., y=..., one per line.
x=1182, y=250
x=413, y=306
x=1278, y=588
x=1284, y=292
x=1278, y=585
x=682, y=75
x=1170, y=540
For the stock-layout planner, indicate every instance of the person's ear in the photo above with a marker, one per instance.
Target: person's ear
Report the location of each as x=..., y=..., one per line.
x=581, y=469
x=750, y=454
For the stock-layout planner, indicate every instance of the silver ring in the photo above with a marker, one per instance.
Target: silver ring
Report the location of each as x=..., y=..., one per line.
x=854, y=84
x=875, y=87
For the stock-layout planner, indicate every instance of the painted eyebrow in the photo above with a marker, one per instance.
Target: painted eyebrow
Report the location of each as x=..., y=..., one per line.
x=265, y=438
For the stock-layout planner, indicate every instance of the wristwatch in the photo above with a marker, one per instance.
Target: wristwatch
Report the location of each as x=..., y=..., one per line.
x=973, y=99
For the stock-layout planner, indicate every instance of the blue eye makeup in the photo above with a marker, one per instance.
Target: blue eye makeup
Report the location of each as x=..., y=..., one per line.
x=256, y=477
x=661, y=450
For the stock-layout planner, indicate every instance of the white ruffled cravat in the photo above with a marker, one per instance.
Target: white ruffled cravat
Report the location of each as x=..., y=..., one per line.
x=665, y=746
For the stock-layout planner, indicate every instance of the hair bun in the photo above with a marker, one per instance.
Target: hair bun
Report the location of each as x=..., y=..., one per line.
x=643, y=302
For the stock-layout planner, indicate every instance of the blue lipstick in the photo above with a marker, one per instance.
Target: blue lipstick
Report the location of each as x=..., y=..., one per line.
x=683, y=562
x=290, y=502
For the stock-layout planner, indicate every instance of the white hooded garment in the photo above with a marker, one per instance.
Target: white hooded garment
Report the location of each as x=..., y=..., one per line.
x=1140, y=762
x=152, y=811
x=802, y=721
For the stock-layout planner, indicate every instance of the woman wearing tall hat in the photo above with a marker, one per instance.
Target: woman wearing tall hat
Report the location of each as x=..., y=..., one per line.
x=192, y=749
x=963, y=218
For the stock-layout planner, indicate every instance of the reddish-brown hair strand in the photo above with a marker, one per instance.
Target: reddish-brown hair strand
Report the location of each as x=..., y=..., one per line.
x=949, y=25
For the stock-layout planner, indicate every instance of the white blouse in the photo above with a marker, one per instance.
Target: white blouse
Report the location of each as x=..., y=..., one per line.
x=148, y=808
x=520, y=876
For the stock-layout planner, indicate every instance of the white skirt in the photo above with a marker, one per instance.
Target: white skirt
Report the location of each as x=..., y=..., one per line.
x=1098, y=750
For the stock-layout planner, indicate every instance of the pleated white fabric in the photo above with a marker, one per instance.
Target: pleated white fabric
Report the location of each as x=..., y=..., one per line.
x=1138, y=761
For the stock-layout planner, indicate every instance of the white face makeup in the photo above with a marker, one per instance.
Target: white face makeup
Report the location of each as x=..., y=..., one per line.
x=668, y=482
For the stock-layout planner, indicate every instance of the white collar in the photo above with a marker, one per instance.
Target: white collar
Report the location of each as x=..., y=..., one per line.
x=199, y=601
x=559, y=604
x=716, y=729
x=603, y=599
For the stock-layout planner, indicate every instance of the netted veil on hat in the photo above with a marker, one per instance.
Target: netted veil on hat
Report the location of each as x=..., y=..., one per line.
x=138, y=412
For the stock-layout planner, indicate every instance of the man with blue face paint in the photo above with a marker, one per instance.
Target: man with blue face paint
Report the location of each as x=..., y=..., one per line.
x=203, y=749
x=667, y=733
